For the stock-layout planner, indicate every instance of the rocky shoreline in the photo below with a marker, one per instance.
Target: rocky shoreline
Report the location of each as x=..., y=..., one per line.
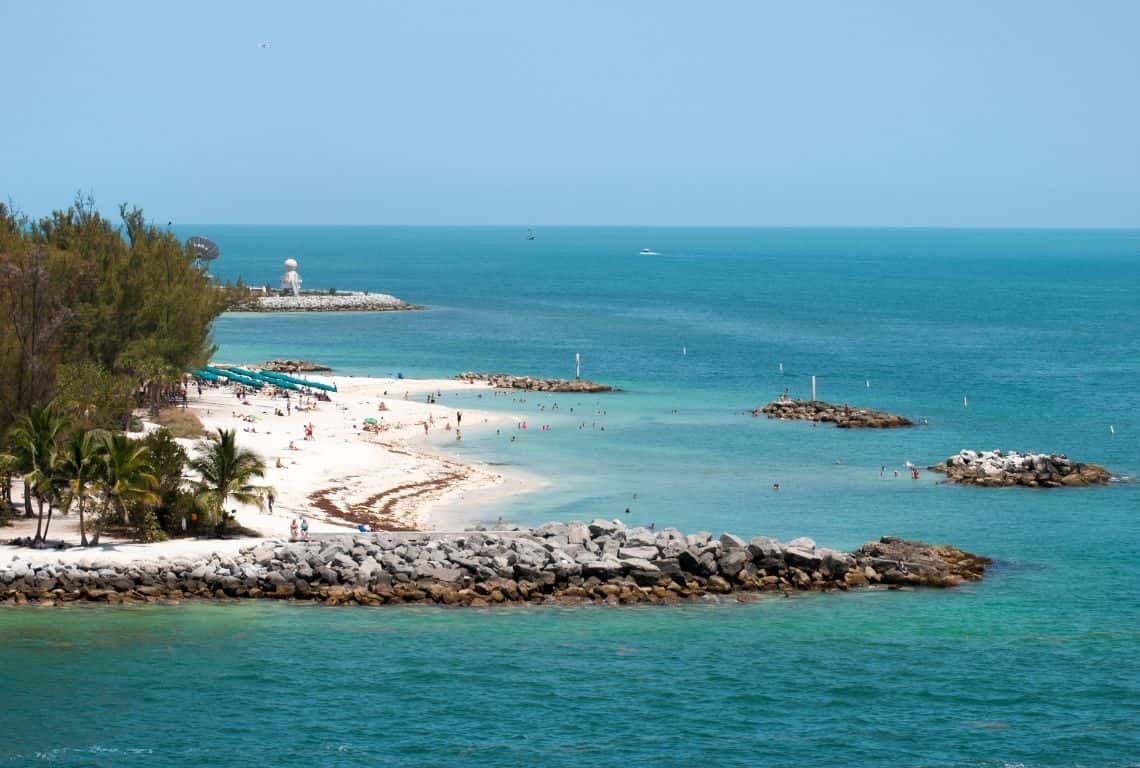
x=843, y=416
x=325, y=302
x=602, y=562
x=1034, y=470
x=510, y=381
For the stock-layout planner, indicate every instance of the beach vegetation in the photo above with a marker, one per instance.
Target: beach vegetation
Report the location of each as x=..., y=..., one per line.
x=79, y=469
x=9, y=468
x=176, y=500
x=180, y=423
x=34, y=441
x=100, y=315
x=226, y=472
x=128, y=484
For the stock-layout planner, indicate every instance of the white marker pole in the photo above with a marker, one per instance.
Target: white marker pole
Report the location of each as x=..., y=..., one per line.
x=577, y=366
x=813, y=388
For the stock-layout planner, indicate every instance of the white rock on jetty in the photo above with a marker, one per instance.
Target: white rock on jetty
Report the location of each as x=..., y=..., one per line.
x=325, y=302
x=601, y=561
x=994, y=468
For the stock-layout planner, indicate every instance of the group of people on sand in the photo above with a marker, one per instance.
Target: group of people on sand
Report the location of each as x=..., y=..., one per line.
x=299, y=529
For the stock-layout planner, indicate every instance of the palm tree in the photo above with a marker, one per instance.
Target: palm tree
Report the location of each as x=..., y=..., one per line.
x=79, y=467
x=226, y=471
x=125, y=475
x=9, y=467
x=34, y=439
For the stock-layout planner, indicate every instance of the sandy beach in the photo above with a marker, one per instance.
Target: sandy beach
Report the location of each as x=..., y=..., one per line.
x=392, y=474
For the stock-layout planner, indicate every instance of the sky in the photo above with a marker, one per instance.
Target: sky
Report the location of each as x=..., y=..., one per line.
x=995, y=113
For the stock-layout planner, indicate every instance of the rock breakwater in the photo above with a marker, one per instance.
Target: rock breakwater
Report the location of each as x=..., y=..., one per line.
x=510, y=381
x=602, y=561
x=293, y=366
x=1044, y=470
x=324, y=302
x=843, y=416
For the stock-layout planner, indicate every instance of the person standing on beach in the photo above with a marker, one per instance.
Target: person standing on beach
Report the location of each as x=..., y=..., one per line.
x=293, y=530
x=458, y=418
x=270, y=498
x=304, y=529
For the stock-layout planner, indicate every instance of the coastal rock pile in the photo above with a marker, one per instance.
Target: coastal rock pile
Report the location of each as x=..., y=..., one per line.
x=601, y=561
x=509, y=381
x=293, y=366
x=842, y=416
x=324, y=302
x=1045, y=470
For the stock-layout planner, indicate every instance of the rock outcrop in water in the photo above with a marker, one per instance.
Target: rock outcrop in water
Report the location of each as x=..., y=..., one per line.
x=1044, y=470
x=602, y=561
x=843, y=416
x=510, y=381
x=293, y=366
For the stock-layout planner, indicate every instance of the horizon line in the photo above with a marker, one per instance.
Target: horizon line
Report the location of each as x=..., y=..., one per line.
x=941, y=227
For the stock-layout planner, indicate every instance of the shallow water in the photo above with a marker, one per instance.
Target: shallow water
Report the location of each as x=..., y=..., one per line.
x=1035, y=666
x=929, y=679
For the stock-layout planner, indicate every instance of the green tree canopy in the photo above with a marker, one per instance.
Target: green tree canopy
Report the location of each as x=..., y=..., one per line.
x=91, y=310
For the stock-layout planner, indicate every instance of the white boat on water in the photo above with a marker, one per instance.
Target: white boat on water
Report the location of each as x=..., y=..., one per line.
x=649, y=252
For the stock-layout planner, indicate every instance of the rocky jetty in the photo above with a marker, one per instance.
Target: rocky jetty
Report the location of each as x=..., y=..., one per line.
x=324, y=302
x=510, y=381
x=1036, y=470
x=602, y=561
x=843, y=416
x=293, y=366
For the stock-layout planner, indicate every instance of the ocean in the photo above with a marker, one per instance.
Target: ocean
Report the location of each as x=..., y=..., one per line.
x=1004, y=339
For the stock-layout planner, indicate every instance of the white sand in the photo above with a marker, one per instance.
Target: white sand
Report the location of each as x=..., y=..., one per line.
x=399, y=476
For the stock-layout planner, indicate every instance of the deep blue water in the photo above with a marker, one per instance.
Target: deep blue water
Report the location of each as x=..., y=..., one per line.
x=1037, y=665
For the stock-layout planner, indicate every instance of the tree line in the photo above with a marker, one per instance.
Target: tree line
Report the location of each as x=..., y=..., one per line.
x=98, y=318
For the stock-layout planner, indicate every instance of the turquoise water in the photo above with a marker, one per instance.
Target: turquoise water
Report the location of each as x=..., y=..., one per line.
x=1038, y=665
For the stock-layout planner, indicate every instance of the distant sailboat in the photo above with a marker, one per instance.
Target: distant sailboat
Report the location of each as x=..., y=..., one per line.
x=649, y=252
x=529, y=233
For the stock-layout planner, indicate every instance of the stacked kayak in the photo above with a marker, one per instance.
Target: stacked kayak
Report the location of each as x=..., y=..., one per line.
x=235, y=377
x=257, y=379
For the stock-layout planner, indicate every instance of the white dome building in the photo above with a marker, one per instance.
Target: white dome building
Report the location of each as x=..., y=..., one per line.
x=291, y=279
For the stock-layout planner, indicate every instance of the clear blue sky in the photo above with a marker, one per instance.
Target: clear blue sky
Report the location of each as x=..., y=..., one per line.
x=905, y=113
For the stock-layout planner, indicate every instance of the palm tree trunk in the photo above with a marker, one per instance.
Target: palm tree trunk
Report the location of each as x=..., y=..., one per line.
x=39, y=522
x=27, y=500
x=82, y=526
x=98, y=530
x=48, y=523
